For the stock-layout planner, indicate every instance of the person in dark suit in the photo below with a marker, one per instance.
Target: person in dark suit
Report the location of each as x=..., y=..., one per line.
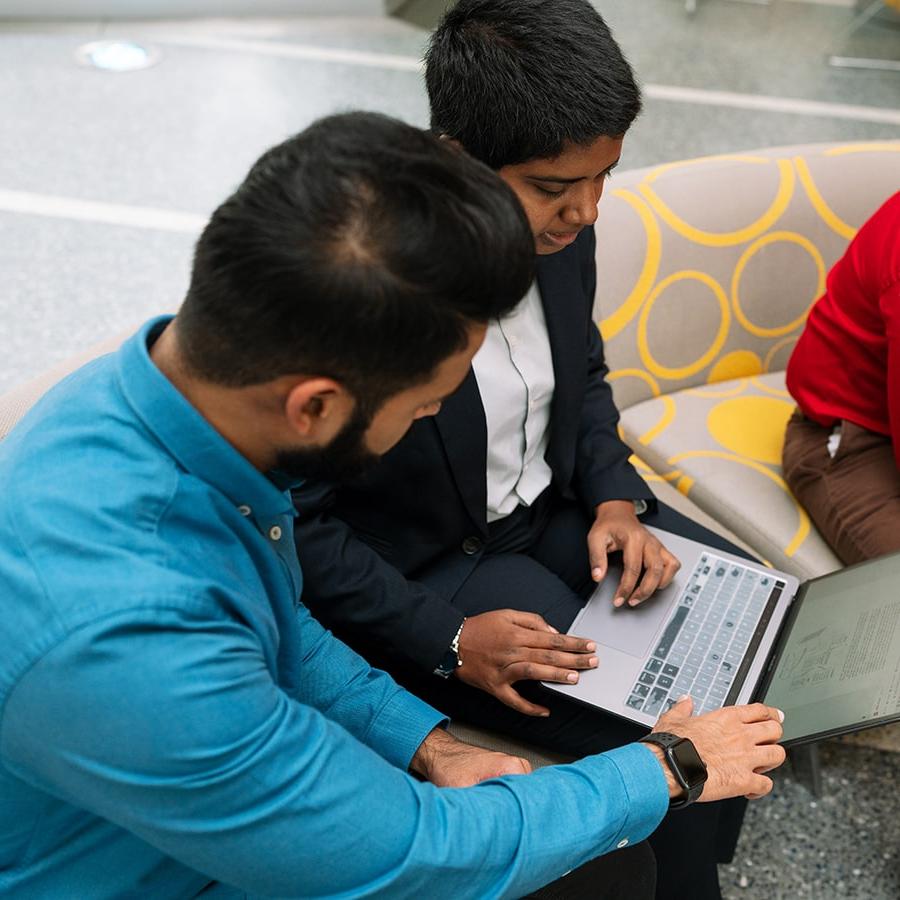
x=459, y=563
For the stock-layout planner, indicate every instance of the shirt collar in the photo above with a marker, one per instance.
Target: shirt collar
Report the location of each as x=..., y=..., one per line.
x=187, y=436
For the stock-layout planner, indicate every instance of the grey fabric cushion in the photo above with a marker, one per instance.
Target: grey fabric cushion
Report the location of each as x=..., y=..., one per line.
x=720, y=445
x=707, y=267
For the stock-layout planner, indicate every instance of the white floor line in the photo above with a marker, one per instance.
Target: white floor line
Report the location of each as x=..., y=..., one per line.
x=791, y=105
x=670, y=93
x=284, y=50
x=845, y=3
x=102, y=213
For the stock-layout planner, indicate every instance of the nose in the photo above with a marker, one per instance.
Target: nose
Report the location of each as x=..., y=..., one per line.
x=583, y=207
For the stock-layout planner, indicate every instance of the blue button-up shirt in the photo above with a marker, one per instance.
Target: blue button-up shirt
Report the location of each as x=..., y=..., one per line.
x=173, y=721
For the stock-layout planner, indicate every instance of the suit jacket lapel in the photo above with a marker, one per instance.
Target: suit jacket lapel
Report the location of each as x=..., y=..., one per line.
x=461, y=422
x=560, y=293
x=463, y=430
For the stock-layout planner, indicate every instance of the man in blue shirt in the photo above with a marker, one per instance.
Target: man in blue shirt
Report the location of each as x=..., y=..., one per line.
x=172, y=720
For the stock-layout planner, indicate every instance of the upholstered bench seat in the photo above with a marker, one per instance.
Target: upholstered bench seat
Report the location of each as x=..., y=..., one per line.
x=720, y=445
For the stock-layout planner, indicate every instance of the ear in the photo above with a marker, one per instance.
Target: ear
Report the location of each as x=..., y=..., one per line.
x=453, y=142
x=316, y=408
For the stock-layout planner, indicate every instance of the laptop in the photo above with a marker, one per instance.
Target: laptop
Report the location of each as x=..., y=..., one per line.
x=728, y=631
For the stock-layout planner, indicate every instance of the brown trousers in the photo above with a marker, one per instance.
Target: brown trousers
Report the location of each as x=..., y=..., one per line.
x=854, y=497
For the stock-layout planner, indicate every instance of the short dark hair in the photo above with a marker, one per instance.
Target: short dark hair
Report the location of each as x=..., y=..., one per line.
x=360, y=249
x=514, y=80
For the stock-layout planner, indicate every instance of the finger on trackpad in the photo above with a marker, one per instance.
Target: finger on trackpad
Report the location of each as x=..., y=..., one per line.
x=630, y=629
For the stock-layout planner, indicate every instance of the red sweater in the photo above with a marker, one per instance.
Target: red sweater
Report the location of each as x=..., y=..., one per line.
x=846, y=364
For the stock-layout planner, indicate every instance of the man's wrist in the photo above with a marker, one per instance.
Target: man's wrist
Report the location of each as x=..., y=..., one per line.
x=676, y=791
x=621, y=507
x=424, y=758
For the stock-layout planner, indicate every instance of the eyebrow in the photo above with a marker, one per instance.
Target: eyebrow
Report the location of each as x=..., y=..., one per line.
x=554, y=180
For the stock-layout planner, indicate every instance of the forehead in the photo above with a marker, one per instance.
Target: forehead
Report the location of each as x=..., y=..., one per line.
x=575, y=160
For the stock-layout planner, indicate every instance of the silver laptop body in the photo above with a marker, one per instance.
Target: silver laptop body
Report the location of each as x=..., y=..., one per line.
x=709, y=634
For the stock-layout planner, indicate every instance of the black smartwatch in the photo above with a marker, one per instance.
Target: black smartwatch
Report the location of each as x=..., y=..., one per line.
x=450, y=661
x=684, y=763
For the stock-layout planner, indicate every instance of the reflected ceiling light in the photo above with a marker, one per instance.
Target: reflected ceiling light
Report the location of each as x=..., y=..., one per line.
x=116, y=56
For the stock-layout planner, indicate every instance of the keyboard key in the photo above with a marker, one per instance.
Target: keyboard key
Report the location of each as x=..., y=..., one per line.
x=671, y=632
x=653, y=705
x=635, y=702
x=664, y=681
x=641, y=690
x=646, y=678
x=654, y=665
x=669, y=669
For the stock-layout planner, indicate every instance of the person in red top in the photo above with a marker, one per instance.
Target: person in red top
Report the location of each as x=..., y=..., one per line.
x=842, y=447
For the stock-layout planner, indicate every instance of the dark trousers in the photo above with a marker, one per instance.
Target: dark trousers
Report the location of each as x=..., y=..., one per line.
x=628, y=874
x=536, y=560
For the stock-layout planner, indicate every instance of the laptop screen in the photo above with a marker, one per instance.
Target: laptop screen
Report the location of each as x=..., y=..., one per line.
x=838, y=667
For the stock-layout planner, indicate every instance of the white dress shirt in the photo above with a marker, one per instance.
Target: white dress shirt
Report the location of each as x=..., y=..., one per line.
x=514, y=370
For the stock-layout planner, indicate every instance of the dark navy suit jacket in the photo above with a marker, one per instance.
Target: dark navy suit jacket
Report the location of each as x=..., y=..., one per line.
x=382, y=555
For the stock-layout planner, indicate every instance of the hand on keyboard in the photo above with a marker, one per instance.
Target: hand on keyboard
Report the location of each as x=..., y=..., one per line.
x=737, y=743
x=616, y=527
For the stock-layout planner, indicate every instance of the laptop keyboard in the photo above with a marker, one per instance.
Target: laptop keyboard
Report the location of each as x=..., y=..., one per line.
x=705, y=639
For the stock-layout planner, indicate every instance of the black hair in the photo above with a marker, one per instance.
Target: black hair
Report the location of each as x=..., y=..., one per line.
x=360, y=249
x=514, y=80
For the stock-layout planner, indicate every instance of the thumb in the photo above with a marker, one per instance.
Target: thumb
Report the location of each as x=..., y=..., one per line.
x=683, y=709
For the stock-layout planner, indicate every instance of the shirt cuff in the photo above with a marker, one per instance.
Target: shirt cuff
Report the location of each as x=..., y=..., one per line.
x=401, y=726
x=646, y=791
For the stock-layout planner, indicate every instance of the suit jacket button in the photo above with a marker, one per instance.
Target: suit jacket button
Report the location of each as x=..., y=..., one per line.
x=471, y=546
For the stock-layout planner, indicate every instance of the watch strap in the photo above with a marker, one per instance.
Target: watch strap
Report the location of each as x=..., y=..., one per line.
x=450, y=661
x=668, y=743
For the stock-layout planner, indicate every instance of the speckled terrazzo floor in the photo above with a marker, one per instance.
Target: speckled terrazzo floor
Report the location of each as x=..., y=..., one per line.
x=842, y=845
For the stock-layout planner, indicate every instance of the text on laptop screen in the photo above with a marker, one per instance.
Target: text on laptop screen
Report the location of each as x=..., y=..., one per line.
x=840, y=665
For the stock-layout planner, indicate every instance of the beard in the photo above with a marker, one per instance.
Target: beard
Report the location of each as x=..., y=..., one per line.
x=346, y=457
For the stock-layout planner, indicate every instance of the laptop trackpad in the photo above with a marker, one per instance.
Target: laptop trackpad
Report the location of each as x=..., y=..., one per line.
x=629, y=629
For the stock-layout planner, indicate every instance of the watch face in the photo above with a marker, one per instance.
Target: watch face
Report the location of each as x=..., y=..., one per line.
x=689, y=763
x=448, y=663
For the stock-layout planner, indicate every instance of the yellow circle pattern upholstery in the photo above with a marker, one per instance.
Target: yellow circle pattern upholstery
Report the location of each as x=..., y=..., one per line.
x=707, y=270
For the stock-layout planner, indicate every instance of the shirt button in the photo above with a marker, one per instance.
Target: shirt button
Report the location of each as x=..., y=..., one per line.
x=622, y=843
x=244, y=510
x=471, y=545
x=275, y=533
